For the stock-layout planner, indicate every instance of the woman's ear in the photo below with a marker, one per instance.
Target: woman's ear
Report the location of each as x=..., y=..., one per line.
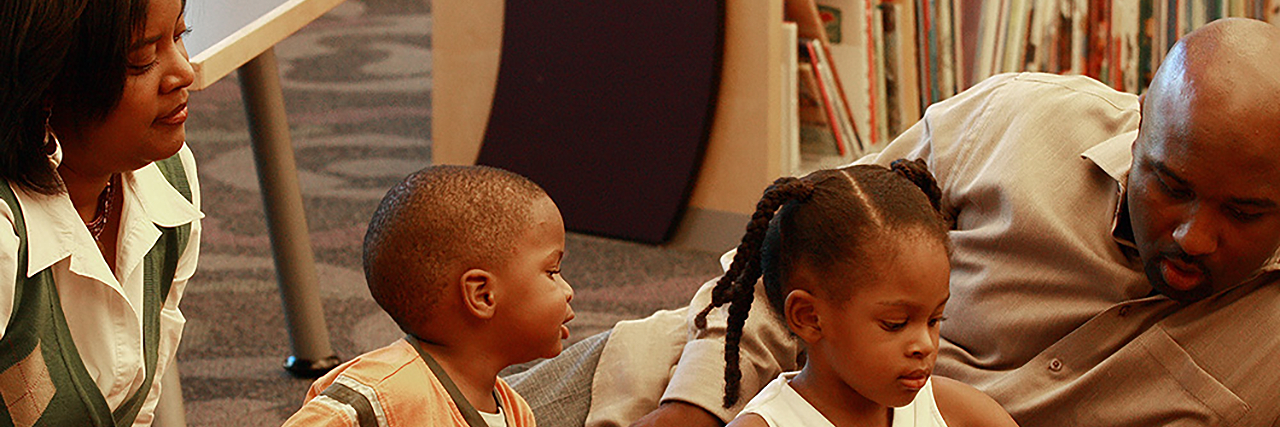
x=802, y=315
x=477, y=293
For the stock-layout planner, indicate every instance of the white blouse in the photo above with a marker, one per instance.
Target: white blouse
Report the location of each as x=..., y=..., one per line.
x=104, y=310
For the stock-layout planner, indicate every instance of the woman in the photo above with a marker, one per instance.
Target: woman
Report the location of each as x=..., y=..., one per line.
x=100, y=225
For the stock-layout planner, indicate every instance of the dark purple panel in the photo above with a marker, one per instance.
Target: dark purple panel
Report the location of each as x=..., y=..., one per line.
x=607, y=105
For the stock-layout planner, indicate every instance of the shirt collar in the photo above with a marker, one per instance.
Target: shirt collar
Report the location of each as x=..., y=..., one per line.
x=162, y=204
x=1114, y=156
x=55, y=231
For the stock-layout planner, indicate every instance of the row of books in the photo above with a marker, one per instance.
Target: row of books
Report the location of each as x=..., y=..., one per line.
x=1119, y=42
x=893, y=58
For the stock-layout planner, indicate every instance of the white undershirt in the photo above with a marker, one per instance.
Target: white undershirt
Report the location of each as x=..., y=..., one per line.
x=494, y=420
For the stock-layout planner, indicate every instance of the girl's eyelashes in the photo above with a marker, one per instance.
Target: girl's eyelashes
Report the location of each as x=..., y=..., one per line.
x=893, y=326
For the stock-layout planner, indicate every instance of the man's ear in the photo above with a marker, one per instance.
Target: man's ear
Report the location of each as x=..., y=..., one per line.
x=477, y=293
x=802, y=315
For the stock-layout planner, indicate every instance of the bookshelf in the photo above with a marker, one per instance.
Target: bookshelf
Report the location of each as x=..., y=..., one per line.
x=924, y=51
x=963, y=42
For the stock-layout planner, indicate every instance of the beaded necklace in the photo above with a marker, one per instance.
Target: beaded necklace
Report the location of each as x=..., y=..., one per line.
x=103, y=210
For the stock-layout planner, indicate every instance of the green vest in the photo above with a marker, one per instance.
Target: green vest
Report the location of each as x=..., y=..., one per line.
x=42, y=378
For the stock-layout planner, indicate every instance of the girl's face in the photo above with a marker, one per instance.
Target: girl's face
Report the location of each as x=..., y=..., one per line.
x=882, y=342
x=147, y=124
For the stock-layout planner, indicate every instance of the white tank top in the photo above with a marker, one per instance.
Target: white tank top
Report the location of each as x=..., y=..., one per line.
x=781, y=406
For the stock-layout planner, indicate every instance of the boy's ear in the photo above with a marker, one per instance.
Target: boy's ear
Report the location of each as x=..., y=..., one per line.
x=801, y=312
x=477, y=293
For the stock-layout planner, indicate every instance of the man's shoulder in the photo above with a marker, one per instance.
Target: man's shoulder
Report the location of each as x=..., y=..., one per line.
x=1052, y=91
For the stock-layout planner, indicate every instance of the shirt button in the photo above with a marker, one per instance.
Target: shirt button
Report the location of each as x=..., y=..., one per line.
x=1124, y=311
x=1055, y=365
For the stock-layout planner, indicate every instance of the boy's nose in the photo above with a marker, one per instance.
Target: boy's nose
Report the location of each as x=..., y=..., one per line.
x=568, y=290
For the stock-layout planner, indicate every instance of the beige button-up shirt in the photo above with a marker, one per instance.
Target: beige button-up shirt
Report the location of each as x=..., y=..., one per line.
x=1050, y=311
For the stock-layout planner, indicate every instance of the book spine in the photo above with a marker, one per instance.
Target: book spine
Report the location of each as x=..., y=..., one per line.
x=844, y=118
x=825, y=90
x=889, y=29
x=874, y=106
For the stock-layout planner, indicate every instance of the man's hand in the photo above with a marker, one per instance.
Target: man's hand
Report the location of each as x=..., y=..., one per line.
x=676, y=413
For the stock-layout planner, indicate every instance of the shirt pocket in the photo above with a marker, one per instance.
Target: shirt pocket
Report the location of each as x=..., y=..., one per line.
x=1181, y=393
x=1151, y=381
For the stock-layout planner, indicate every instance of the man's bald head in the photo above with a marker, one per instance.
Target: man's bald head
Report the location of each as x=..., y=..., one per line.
x=1228, y=69
x=1204, y=189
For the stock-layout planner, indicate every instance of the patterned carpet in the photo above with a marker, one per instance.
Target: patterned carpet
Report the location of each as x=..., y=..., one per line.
x=357, y=86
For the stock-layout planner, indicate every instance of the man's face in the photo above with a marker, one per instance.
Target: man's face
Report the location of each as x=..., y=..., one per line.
x=1203, y=196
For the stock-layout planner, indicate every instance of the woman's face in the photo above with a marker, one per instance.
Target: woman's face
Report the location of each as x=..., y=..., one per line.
x=147, y=124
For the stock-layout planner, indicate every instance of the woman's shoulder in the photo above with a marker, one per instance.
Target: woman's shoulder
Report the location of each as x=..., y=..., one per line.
x=962, y=405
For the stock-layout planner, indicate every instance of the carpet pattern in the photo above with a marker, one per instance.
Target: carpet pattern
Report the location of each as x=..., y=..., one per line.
x=357, y=85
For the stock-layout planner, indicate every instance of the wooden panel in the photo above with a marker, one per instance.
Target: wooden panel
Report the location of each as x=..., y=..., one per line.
x=741, y=157
x=608, y=106
x=466, y=43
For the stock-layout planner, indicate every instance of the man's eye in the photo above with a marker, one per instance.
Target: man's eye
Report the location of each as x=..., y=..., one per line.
x=1243, y=216
x=1177, y=193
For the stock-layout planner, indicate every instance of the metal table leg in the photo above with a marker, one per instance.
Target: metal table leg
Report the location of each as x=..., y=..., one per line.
x=290, y=243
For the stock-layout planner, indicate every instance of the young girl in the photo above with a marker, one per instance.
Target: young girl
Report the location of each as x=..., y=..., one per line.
x=855, y=262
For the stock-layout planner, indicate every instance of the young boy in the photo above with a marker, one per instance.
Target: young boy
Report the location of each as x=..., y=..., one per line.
x=466, y=260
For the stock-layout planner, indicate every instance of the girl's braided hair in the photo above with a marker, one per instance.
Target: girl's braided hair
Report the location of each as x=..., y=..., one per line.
x=827, y=218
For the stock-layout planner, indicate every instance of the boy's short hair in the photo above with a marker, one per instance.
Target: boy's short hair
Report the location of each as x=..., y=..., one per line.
x=437, y=223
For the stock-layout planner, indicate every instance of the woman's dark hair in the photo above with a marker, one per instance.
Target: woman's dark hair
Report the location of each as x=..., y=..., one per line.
x=825, y=219
x=68, y=55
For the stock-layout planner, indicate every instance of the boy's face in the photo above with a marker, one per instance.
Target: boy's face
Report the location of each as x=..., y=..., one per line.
x=536, y=304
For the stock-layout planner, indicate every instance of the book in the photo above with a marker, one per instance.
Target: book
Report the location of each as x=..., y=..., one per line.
x=1125, y=27
x=849, y=144
x=852, y=57
x=881, y=71
x=789, y=155
x=892, y=80
x=822, y=109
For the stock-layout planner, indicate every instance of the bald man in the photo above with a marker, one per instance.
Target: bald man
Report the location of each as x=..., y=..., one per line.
x=1115, y=257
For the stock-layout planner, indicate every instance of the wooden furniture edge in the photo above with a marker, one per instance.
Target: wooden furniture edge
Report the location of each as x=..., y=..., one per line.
x=250, y=41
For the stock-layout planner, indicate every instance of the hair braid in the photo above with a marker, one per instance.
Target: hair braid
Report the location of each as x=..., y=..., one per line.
x=918, y=173
x=737, y=285
x=738, y=311
x=747, y=254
